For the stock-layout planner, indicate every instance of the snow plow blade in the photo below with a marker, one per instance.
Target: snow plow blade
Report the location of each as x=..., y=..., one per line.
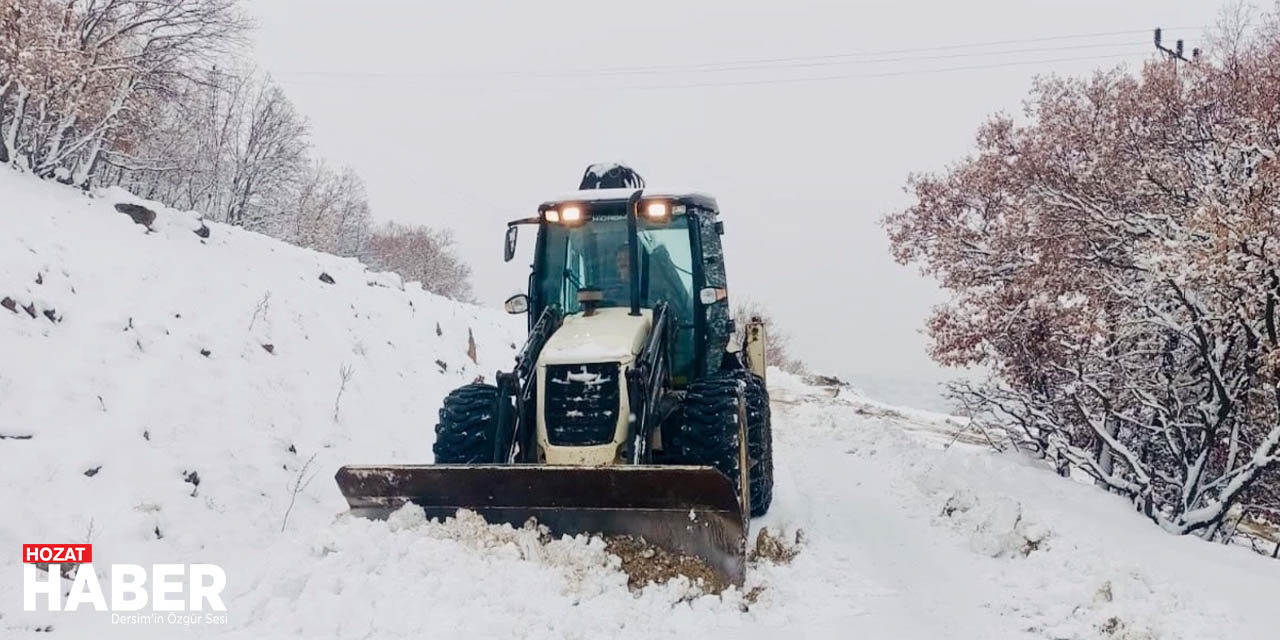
x=685, y=509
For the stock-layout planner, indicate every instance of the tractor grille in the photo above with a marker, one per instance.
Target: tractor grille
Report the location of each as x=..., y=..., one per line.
x=581, y=403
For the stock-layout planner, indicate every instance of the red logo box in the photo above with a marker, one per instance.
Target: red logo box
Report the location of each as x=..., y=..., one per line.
x=57, y=553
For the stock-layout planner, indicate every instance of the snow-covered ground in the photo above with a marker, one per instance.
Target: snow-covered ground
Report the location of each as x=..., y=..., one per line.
x=919, y=392
x=111, y=410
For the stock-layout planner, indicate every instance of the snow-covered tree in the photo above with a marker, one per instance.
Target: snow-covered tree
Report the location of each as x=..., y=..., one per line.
x=77, y=76
x=1113, y=261
x=330, y=211
x=268, y=158
x=187, y=157
x=421, y=254
x=151, y=95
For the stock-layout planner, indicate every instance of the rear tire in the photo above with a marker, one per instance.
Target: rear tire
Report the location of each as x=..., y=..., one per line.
x=759, y=441
x=711, y=431
x=467, y=425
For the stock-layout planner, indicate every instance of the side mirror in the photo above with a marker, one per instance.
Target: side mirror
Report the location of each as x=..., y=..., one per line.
x=519, y=303
x=509, y=247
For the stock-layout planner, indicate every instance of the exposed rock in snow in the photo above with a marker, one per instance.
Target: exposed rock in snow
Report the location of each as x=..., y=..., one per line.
x=138, y=213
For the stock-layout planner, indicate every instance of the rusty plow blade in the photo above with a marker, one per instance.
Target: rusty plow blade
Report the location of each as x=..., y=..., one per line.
x=685, y=509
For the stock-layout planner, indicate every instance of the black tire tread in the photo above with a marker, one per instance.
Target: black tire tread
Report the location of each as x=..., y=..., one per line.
x=465, y=432
x=759, y=441
x=708, y=433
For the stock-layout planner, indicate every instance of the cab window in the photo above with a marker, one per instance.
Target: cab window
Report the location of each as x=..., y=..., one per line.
x=596, y=254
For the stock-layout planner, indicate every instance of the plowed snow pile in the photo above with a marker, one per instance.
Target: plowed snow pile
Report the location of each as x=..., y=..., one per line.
x=145, y=413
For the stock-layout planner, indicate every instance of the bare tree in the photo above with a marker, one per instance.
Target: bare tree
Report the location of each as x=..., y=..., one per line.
x=235, y=149
x=77, y=76
x=186, y=159
x=151, y=96
x=330, y=211
x=268, y=158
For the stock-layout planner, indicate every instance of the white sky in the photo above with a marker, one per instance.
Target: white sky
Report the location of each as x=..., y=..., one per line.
x=461, y=115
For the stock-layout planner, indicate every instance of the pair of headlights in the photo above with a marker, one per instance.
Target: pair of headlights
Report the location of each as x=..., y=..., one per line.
x=572, y=214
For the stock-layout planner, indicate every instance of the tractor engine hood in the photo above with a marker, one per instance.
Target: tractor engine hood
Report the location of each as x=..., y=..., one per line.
x=610, y=335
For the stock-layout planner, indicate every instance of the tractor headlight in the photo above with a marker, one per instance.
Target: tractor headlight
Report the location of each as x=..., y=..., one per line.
x=569, y=214
x=657, y=211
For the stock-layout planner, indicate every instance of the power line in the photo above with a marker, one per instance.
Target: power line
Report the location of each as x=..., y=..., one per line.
x=763, y=63
x=857, y=54
x=728, y=69
x=884, y=74
x=945, y=56
x=771, y=81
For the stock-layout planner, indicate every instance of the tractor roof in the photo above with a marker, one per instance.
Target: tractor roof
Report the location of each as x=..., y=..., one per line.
x=680, y=196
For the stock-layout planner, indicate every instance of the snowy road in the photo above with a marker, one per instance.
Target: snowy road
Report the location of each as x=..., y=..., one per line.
x=873, y=563
x=869, y=487
x=915, y=541
x=886, y=568
x=883, y=561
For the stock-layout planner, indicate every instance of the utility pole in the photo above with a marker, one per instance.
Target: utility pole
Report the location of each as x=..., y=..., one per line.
x=1176, y=52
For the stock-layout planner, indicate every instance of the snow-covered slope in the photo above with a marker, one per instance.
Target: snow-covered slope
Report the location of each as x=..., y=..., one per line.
x=156, y=360
x=109, y=407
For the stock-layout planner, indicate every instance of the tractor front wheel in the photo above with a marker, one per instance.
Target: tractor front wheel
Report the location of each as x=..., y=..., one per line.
x=467, y=425
x=759, y=441
x=713, y=431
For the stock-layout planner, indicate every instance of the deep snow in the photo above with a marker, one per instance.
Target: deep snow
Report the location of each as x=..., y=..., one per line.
x=901, y=537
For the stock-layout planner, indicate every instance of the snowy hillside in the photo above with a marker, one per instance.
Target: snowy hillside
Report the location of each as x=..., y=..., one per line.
x=167, y=394
x=165, y=389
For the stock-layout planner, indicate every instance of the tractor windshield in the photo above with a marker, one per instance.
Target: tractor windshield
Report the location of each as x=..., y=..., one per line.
x=596, y=255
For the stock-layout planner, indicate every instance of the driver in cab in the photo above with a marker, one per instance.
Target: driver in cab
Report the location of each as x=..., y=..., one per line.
x=616, y=289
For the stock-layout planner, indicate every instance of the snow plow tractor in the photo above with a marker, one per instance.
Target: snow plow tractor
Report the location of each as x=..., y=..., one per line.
x=628, y=412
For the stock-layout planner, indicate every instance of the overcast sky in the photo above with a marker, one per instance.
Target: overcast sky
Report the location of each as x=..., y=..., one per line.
x=468, y=114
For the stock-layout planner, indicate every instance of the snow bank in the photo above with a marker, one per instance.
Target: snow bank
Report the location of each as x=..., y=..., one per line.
x=994, y=545
x=412, y=578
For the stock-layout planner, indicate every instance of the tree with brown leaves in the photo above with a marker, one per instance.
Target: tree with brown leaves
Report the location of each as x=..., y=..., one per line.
x=420, y=254
x=1114, y=261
